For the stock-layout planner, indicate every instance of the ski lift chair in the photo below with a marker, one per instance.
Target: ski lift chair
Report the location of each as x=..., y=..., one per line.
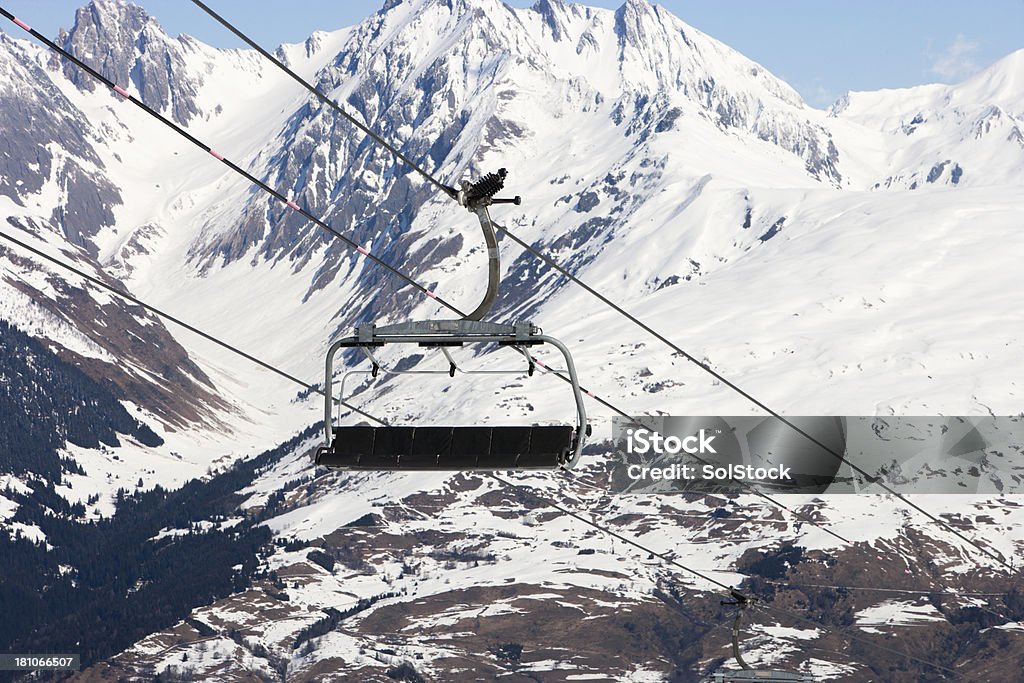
x=750, y=674
x=437, y=447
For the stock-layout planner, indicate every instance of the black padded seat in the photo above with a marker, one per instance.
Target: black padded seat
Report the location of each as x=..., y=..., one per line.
x=467, y=445
x=430, y=445
x=353, y=442
x=508, y=444
x=545, y=442
x=448, y=448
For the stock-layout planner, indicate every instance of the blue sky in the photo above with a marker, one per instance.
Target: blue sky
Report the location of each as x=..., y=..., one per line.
x=821, y=47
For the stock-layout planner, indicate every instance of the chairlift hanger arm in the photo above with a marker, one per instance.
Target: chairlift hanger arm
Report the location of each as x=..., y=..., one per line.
x=476, y=197
x=742, y=602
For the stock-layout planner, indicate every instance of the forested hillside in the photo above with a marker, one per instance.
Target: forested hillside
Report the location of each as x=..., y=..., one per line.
x=47, y=403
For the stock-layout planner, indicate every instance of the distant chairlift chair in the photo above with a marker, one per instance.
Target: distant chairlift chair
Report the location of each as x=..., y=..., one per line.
x=748, y=674
x=430, y=447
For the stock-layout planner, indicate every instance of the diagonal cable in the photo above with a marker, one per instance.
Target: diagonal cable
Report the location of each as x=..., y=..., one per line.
x=121, y=92
x=320, y=223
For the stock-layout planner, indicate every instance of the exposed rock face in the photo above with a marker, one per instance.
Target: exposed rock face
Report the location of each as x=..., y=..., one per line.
x=49, y=146
x=125, y=44
x=440, y=80
x=136, y=358
x=51, y=169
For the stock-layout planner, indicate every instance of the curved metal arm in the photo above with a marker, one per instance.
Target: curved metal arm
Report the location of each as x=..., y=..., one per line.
x=477, y=197
x=581, y=410
x=736, y=640
x=493, y=265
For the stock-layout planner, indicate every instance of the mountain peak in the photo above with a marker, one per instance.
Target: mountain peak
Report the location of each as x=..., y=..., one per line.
x=1001, y=83
x=113, y=19
x=549, y=7
x=634, y=8
x=455, y=6
x=637, y=20
x=123, y=42
x=554, y=14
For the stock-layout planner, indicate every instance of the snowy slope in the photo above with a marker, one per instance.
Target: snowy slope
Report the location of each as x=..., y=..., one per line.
x=52, y=199
x=439, y=572
x=672, y=197
x=681, y=141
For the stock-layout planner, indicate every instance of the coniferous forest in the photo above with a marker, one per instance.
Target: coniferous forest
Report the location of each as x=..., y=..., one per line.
x=46, y=403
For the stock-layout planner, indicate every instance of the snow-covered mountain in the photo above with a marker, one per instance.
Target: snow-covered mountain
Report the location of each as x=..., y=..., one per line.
x=860, y=260
x=975, y=125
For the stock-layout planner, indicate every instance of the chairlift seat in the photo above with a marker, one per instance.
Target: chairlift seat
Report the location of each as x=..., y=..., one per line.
x=449, y=448
x=432, y=447
x=760, y=676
